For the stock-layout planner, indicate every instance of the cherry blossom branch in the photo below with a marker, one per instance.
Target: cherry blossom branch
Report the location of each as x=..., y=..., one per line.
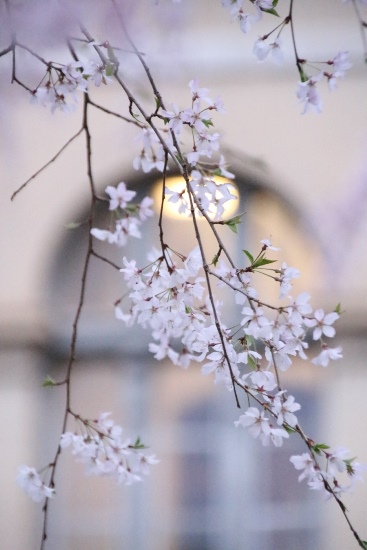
x=210, y=291
x=133, y=100
x=193, y=200
x=276, y=405
x=75, y=326
x=184, y=172
x=310, y=444
x=241, y=291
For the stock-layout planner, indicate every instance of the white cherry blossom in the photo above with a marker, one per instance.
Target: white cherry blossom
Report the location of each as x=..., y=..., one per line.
x=308, y=94
x=119, y=195
x=322, y=324
x=326, y=355
x=284, y=410
x=30, y=481
x=255, y=421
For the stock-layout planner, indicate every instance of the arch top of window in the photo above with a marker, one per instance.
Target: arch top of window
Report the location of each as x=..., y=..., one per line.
x=266, y=213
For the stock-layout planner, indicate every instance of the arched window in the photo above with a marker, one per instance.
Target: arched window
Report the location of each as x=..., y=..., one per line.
x=215, y=487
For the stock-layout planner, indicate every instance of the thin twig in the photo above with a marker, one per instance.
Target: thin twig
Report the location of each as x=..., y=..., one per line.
x=33, y=53
x=104, y=259
x=362, y=28
x=113, y=113
x=6, y=50
x=46, y=165
x=160, y=220
x=140, y=57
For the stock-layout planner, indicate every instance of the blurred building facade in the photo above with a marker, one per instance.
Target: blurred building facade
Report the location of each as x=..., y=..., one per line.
x=301, y=180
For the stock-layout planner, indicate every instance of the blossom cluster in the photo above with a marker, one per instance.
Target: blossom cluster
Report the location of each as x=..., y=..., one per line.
x=128, y=224
x=197, y=118
x=209, y=194
x=62, y=82
x=308, y=93
x=103, y=451
x=327, y=479
x=170, y=300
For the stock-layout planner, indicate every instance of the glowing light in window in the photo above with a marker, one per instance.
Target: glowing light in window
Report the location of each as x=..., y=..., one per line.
x=177, y=184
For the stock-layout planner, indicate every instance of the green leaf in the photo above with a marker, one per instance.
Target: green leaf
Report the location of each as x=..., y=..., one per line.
x=262, y=261
x=131, y=208
x=216, y=172
x=249, y=341
x=303, y=76
x=111, y=54
x=158, y=103
x=232, y=226
x=338, y=309
x=138, y=444
x=216, y=258
x=48, y=382
x=288, y=429
x=275, y=2
x=251, y=362
x=272, y=11
x=319, y=447
x=250, y=257
x=232, y=222
x=207, y=123
x=110, y=69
